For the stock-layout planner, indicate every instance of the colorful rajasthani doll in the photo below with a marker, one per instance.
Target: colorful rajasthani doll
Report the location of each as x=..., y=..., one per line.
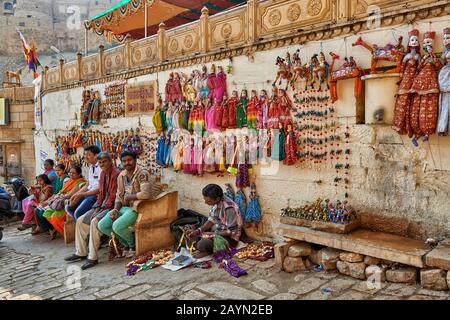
x=211, y=114
x=176, y=117
x=252, y=111
x=221, y=84
x=198, y=156
x=219, y=114
x=253, y=213
x=196, y=82
x=425, y=104
x=219, y=153
x=187, y=117
x=192, y=115
x=225, y=117
x=285, y=105
x=241, y=110
x=177, y=92
x=178, y=155
x=262, y=110
x=204, y=90
x=199, y=119
x=169, y=115
x=209, y=156
x=273, y=120
x=232, y=103
x=169, y=88
x=278, y=142
x=444, y=86
x=188, y=156
x=290, y=148
x=212, y=83
x=161, y=151
x=407, y=73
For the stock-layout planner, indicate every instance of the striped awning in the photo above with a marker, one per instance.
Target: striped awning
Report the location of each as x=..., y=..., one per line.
x=128, y=16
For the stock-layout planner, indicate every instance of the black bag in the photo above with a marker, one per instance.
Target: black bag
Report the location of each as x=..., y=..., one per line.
x=185, y=217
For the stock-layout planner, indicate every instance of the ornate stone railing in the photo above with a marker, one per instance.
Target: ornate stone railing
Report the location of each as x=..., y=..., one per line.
x=256, y=26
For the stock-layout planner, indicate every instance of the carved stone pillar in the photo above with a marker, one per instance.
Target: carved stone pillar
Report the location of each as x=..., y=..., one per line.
x=204, y=30
x=252, y=14
x=79, y=69
x=128, y=54
x=101, y=60
x=44, y=78
x=343, y=10
x=161, y=42
x=61, y=71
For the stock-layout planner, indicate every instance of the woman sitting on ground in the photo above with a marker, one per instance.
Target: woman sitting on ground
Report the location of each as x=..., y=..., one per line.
x=54, y=211
x=224, y=216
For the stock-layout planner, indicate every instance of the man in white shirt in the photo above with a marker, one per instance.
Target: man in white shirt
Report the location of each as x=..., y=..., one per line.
x=83, y=201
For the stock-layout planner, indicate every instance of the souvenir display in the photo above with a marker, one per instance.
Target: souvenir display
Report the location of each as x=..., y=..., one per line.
x=90, y=110
x=444, y=86
x=323, y=210
x=253, y=213
x=241, y=110
x=389, y=53
x=257, y=251
x=349, y=70
x=114, y=104
x=408, y=71
x=149, y=260
x=425, y=90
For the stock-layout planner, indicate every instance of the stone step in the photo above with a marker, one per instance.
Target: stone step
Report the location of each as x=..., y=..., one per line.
x=375, y=244
x=439, y=257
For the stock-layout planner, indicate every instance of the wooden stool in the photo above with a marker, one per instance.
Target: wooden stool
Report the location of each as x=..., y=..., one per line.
x=152, y=227
x=69, y=229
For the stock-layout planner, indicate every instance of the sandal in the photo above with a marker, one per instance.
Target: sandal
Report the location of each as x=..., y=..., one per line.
x=35, y=231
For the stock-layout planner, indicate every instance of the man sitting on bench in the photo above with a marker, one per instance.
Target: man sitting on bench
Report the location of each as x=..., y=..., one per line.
x=133, y=184
x=86, y=226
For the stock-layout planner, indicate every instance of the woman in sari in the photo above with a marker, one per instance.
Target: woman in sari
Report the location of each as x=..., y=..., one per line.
x=29, y=204
x=61, y=178
x=53, y=215
x=41, y=192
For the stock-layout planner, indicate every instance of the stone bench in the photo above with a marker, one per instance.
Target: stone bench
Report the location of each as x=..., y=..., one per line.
x=374, y=244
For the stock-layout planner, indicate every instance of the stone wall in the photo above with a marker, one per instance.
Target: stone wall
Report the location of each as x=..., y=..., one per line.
x=396, y=187
x=21, y=128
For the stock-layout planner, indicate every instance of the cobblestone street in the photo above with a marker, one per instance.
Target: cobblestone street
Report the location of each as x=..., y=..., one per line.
x=33, y=268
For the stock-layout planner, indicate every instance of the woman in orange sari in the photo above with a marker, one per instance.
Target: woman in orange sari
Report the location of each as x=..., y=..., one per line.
x=55, y=213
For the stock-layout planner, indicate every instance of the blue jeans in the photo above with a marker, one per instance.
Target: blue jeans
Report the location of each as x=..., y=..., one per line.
x=82, y=207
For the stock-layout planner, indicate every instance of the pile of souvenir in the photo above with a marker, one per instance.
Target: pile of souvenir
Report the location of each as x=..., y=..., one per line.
x=323, y=210
x=66, y=146
x=90, y=110
x=114, y=104
x=149, y=260
x=257, y=251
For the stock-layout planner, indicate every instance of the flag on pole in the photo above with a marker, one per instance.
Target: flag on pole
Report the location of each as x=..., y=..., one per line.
x=30, y=54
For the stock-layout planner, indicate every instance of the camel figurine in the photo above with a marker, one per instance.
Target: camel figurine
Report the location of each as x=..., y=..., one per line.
x=349, y=70
x=389, y=53
x=299, y=70
x=10, y=76
x=284, y=70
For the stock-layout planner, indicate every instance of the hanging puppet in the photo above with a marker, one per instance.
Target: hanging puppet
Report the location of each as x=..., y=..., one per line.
x=407, y=73
x=425, y=103
x=444, y=86
x=252, y=112
x=241, y=110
